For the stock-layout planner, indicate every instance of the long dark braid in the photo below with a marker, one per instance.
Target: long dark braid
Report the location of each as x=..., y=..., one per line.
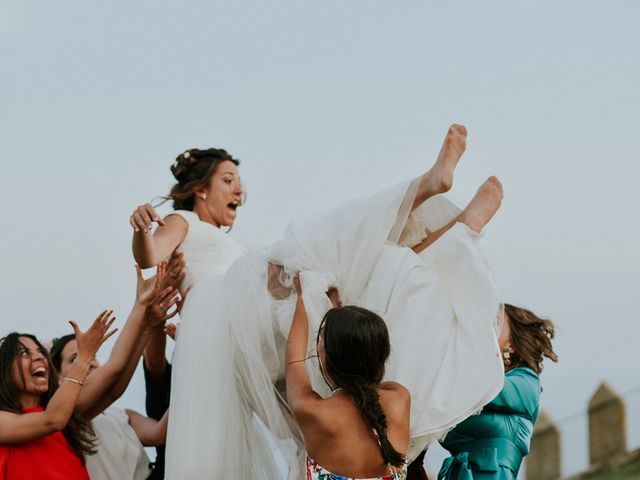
x=356, y=343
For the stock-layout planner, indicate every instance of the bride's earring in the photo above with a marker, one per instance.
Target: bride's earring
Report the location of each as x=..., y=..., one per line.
x=204, y=196
x=506, y=356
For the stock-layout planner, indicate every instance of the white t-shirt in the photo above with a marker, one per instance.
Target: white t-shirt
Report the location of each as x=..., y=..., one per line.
x=120, y=455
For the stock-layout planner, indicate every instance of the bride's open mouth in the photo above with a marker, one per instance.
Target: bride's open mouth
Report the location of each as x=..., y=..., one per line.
x=233, y=207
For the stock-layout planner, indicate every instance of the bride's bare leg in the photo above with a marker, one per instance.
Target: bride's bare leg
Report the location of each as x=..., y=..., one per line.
x=477, y=213
x=439, y=178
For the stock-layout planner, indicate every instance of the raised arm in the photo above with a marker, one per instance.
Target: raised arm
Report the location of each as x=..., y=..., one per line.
x=300, y=394
x=149, y=249
x=107, y=383
x=154, y=355
x=20, y=428
x=150, y=432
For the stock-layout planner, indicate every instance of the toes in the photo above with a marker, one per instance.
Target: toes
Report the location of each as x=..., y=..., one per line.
x=458, y=129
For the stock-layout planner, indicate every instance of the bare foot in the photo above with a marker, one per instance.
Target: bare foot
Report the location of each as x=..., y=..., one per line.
x=439, y=178
x=483, y=206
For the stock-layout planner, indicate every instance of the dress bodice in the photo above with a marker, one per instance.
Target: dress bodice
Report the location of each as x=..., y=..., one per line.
x=493, y=443
x=207, y=249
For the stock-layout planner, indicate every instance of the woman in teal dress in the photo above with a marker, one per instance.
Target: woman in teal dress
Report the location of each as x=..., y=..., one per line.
x=491, y=445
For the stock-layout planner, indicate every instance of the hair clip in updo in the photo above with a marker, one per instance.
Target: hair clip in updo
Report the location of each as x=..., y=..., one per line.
x=186, y=154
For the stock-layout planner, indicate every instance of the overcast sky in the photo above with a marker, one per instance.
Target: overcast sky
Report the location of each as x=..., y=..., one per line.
x=324, y=101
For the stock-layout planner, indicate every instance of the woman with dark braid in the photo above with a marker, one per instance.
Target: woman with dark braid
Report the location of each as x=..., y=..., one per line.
x=362, y=430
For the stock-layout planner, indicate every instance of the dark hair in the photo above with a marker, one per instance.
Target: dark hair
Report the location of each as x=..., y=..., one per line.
x=57, y=346
x=531, y=338
x=193, y=169
x=78, y=432
x=356, y=342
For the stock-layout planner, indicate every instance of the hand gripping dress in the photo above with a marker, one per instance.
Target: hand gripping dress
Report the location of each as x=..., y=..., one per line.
x=227, y=420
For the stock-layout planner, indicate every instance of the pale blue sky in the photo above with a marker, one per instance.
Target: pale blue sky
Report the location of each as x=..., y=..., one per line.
x=325, y=101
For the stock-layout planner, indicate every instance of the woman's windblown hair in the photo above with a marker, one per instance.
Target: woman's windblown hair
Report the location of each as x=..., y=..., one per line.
x=192, y=170
x=531, y=338
x=356, y=342
x=78, y=432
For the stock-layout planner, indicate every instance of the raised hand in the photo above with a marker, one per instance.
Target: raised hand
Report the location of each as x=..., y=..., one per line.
x=174, y=273
x=143, y=217
x=89, y=342
x=160, y=309
x=170, y=330
x=147, y=290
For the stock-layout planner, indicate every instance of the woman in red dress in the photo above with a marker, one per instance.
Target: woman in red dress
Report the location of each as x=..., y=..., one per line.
x=40, y=437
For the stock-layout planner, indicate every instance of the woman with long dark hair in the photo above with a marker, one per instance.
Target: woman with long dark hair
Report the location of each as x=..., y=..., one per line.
x=40, y=436
x=362, y=429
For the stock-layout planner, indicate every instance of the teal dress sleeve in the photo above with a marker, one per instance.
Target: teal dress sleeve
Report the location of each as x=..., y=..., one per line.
x=520, y=394
x=491, y=445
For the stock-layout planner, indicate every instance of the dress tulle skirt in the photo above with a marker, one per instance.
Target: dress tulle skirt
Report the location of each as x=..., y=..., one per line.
x=227, y=419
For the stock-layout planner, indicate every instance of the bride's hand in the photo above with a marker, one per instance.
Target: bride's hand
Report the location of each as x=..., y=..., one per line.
x=143, y=217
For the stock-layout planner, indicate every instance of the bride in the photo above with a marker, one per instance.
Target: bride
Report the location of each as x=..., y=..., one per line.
x=406, y=253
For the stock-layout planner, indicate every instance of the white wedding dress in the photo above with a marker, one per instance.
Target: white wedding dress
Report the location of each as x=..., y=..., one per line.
x=226, y=418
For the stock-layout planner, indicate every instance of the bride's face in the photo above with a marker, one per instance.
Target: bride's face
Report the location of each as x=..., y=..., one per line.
x=222, y=197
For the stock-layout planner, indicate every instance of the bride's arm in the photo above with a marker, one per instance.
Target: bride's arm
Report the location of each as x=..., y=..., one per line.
x=150, y=249
x=300, y=394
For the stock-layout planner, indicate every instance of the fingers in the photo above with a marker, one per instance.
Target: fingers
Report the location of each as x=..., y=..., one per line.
x=75, y=327
x=183, y=298
x=106, y=336
x=160, y=273
x=143, y=217
x=101, y=318
x=163, y=296
x=170, y=330
x=176, y=264
x=139, y=273
x=153, y=214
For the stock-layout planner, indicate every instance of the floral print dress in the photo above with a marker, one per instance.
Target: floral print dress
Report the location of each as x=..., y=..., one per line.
x=317, y=472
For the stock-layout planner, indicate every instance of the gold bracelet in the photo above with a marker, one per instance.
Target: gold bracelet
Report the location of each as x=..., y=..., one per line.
x=296, y=361
x=73, y=380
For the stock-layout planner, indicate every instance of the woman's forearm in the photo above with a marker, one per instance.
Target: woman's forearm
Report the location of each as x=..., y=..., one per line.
x=150, y=432
x=103, y=379
x=20, y=428
x=155, y=359
x=145, y=250
x=298, y=334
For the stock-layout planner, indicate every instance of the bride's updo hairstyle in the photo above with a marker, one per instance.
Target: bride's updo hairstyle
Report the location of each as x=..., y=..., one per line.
x=356, y=344
x=531, y=338
x=192, y=170
x=78, y=432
